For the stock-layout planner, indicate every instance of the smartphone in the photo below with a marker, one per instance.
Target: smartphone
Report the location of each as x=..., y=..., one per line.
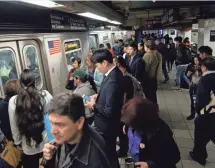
x=86, y=98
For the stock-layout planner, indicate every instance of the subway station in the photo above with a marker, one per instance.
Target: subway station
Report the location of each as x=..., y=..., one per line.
x=107, y=84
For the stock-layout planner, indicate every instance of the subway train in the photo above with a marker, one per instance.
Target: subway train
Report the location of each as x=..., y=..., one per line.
x=48, y=55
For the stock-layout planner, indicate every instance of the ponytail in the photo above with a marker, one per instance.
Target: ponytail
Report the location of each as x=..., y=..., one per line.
x=29, y=109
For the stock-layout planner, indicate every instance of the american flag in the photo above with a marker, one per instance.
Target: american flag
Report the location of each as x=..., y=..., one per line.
x=54, y=47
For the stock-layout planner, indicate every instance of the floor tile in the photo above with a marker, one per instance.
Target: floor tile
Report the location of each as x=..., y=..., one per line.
x=211, y=146
x=177, y=118
x=179, y=125
x=210, y=165
x=179, y=165
x=191, y=133
x=185, y=153
x=190, y=126
x=191, y=164
x=184, y=142
x=211, y=156
x=182, y=133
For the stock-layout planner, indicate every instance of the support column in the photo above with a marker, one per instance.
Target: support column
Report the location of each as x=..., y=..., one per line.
x=201, y=26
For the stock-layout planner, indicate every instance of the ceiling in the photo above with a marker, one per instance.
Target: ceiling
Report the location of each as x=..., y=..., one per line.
x=139, y=13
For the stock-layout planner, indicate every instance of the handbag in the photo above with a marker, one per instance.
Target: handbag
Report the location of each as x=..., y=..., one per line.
x=11, y=154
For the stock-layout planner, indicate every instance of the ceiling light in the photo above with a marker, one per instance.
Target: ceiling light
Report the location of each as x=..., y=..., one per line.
x=115, y=22
x=44, y=3
x=93, y=16
x=97, y=17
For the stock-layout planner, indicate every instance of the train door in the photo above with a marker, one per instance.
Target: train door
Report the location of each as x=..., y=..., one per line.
x=31, y=59
x=10, y=67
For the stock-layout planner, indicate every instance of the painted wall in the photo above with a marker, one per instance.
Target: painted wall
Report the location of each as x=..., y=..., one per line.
x=188, y=34
x=209, y=25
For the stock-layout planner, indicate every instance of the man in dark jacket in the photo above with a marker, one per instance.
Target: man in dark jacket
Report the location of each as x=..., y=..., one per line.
x=205, y=108
x=136, y=64
x=205, y=52
x=182, y=60
x=182, y=54
x=161, y=47
x=79, y=145
x=107, y=106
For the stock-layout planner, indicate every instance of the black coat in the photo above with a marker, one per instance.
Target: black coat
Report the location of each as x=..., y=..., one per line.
x=90, y=152
x=109, y=103
x=163, y=50
x=205, y=88
x=182, y=55
x=160, y=149
x=4, y=119
x=137, y=68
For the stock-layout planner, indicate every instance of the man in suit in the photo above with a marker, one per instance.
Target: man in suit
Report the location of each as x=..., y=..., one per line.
x=136, y=64
x=108, y=103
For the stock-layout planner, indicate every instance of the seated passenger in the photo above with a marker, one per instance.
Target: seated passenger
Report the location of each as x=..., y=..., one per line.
x=81, y=146
x=85, y=86
x=10, y=88
x=26, y=113
x=151, y=142
x=205, y=108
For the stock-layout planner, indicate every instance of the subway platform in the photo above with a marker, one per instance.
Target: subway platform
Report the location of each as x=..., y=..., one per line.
x=174, y=108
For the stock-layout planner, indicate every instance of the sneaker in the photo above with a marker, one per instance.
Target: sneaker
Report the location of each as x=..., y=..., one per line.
x=190, y=117
x=202, y=162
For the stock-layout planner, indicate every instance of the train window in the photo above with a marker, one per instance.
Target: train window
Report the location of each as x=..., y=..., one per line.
x=7, y=66
x=32, y=62
x=93, y=41
x=73, y=50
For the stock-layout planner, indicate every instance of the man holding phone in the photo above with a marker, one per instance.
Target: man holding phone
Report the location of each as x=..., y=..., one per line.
x=78, y=144
x=108, y=103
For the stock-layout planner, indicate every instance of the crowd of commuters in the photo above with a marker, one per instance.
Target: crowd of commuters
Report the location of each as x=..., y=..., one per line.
x=113, y=94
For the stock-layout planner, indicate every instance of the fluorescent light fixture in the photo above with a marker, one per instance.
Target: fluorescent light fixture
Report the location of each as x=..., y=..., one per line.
x=93, y=16
x=115, y=22
x=97, y=17
x=44, y=3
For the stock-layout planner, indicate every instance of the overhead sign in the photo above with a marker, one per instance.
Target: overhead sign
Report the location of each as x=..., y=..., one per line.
x=212, y=35
x=67, y=22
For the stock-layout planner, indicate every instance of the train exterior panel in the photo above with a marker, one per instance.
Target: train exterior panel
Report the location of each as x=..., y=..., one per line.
x=48, y=55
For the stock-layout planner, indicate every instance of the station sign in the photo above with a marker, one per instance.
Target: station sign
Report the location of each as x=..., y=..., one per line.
x=212, y=35
x=67, y=22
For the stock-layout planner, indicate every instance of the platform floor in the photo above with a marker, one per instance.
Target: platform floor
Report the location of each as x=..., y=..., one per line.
x=174, y=108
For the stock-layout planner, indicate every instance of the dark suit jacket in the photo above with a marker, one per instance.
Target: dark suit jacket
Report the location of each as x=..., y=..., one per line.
x=137, y=68
x=109, y=103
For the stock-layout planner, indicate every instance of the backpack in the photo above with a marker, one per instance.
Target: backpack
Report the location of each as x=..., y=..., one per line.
x=138, y=90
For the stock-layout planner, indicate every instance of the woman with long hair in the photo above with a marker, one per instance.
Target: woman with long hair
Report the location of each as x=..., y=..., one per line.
x=26, y=112
x=151, y=142
x=193, y=74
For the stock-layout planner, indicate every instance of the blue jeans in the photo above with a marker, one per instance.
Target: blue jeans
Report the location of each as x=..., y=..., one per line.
x=180, y=69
